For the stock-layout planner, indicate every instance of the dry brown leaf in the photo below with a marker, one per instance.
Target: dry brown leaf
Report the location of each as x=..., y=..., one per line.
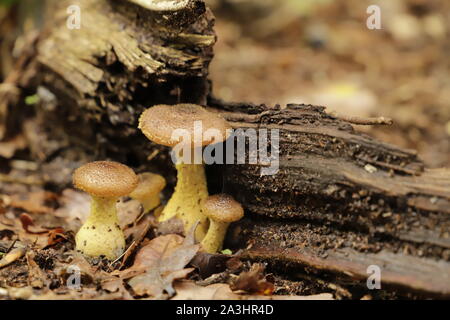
x=84, y=294
x=28, y=225
x=75, y=205
x=8, y=148
x=12, y=256
x=208, y=264
x=137, y=234
x=35, y=236
x=158, y=248
x=36, y=277
x=164, y=259
x=254, y=281
x=51, y=236
x=128, y=212
x=115, y=285
x=154, y=284
x=171, y=226
x=33, y=202
x=188, y=290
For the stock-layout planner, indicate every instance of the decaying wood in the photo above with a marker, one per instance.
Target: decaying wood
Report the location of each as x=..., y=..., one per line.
x=327, y=210
x=123, y=58
x=341, y=200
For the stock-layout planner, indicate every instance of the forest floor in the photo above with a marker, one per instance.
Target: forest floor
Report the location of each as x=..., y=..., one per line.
x=321, y=55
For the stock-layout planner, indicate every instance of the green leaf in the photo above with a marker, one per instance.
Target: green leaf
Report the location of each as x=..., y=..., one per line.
x=227, y=251
x=32, y=100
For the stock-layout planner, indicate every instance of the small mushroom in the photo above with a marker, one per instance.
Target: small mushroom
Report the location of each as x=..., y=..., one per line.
x=148, y=190
x=105, y=181
x=221, y=209
x=158, y=125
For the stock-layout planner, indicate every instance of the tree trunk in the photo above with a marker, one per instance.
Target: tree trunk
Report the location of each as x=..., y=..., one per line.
x=341, y=200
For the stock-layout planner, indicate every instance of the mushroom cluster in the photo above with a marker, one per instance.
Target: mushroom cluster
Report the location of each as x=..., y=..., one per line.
x=158, y=124
x=105, y=181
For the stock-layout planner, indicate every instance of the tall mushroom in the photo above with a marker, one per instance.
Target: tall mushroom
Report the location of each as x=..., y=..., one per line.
x=148, y=190
x=105, y=181
x=221, y=209
x=158, y=124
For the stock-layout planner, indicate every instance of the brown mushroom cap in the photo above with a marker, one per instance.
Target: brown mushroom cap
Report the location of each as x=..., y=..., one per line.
x=149, y=183
x=159, y=122
x=223, y=208
x=105, y=179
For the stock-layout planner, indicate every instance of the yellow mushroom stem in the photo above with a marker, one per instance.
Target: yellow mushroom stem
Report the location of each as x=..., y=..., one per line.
x=213, y=240
x=101, y=233
x=187, y=200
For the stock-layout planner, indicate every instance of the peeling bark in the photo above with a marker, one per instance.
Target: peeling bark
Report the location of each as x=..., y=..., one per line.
x=341, y=200
x=325, y=209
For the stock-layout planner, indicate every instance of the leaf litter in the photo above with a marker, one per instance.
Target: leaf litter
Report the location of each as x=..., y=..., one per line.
x=38, y=260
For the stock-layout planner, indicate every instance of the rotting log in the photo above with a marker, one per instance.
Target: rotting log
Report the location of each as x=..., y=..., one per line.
x=327, y=210
x=124, y=57
x=341, y=200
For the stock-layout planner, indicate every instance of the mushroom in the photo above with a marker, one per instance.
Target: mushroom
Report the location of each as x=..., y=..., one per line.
x=221, y=209
x=148, y=190
x=158, y=124
x=105, y=181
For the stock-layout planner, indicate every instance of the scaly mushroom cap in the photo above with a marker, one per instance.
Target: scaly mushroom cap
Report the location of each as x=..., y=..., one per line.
x=149, y=183
x=159, y=122
x=223, y=208
x=105, y=179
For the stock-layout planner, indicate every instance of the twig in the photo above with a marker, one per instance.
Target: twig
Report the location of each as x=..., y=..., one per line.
x=11, y=246
x=364, y=121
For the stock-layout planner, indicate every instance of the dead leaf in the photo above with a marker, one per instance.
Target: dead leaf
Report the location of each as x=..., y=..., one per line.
x=33, y=202
x=87, y=272
x=115, y=285
x=171, y=226
x=36, y=277
x=12, y=256
x=16, y=226
x=254, y=281
x=135, y=231
x=153, y=283
x=156, y=249
x=164, y=259
x=9, y=148
x=188, y=290
x=55, y=236
x=138, y=233
x=43, y=237
x=85, y=294
x=27, y=221
x=128, y=212
x=208, y=264
x=75, y=205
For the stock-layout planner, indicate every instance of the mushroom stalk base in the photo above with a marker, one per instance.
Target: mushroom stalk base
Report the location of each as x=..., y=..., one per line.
x=187, y=200
x=213, y=240
x=101, y=233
